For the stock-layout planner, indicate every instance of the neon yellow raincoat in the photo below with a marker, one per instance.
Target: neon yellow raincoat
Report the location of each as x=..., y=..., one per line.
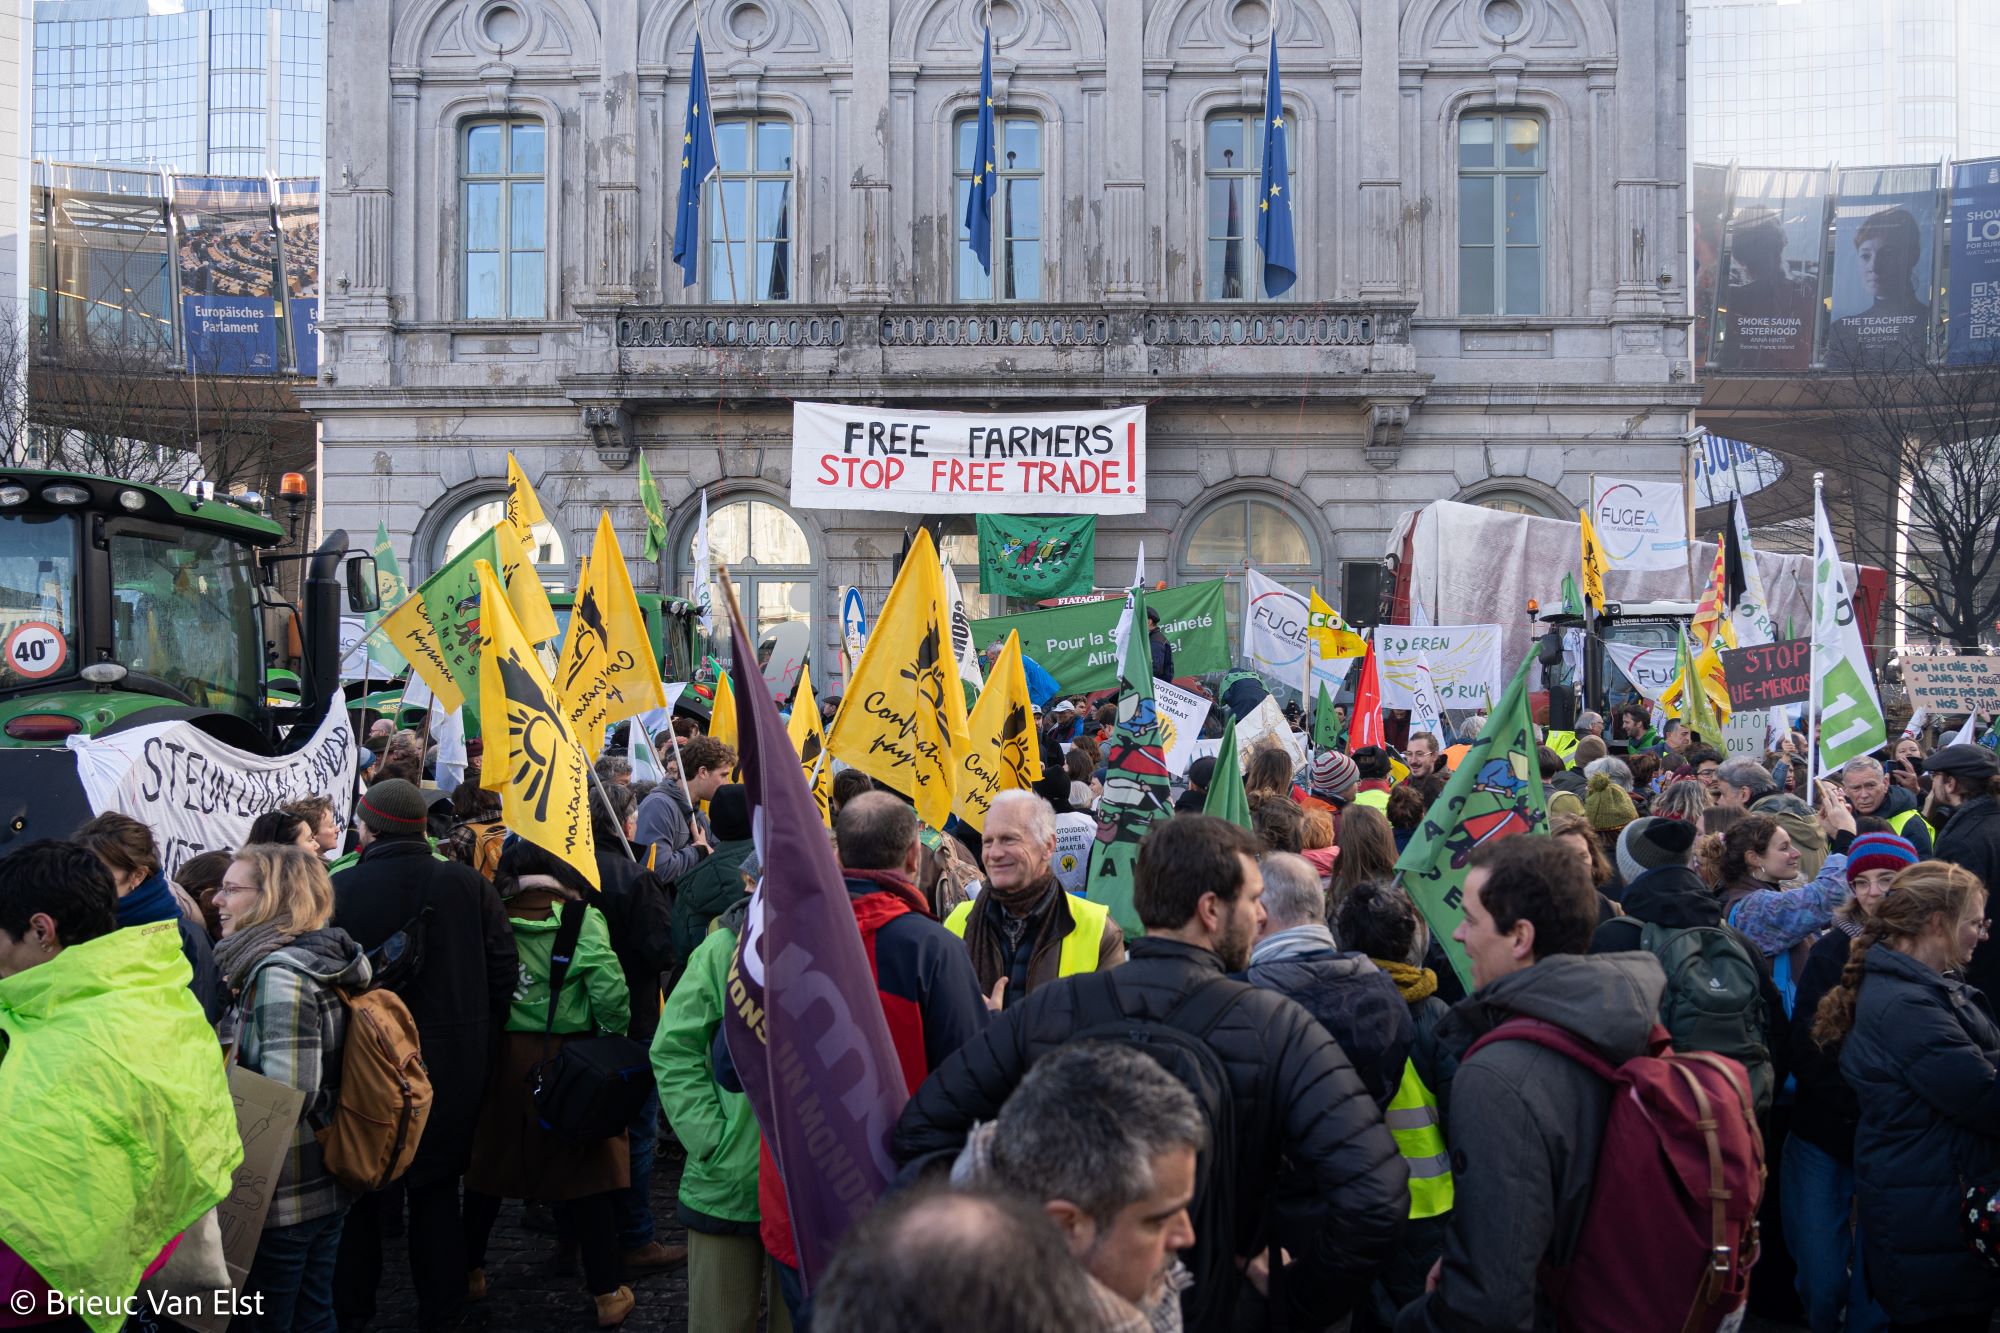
x=116, y=1124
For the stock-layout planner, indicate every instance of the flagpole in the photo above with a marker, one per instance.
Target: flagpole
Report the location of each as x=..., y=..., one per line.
x=1589, y=619
x=1812, y=650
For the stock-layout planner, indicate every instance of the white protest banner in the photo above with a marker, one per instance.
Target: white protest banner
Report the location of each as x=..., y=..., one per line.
x=199, y=795
x=1464, y=660
x=1650, y=669
x=1182, y=713
x=848, y=457
x=1266, y=723
x=1075, y=832
x=1954, y=684
x=1641, y=524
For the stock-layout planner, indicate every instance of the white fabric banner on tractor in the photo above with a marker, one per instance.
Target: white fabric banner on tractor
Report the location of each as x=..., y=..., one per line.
x=879, y=458
x=199, y=795
x=1464, y=662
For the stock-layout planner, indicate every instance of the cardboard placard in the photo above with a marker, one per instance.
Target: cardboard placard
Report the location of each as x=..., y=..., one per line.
x=266, y=1112
x=1074, y=834
x=1768, y=674
x=1744, y=736
x=1954, y=684
x=1266, y=722
x=1182, y=713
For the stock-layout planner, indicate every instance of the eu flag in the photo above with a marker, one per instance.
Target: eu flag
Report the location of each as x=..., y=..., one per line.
x=985, y=183
x=697, y=165
x=1274, y=193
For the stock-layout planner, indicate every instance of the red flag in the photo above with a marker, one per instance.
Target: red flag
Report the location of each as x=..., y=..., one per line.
x=1364, y=727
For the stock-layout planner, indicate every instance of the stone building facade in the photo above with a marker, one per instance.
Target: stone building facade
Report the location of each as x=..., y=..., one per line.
x=1490, y=304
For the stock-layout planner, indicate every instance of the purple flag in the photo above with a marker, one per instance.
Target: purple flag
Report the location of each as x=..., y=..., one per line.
x=804, y=1024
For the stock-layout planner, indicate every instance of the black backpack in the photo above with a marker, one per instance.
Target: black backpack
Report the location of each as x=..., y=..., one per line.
x=591, y=1087
x=1179, y=1041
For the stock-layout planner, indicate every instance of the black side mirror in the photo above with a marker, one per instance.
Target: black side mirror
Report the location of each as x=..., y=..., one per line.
x=363, y=594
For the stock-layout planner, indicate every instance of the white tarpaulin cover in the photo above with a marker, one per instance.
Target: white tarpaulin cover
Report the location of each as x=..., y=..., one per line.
x=199, y=795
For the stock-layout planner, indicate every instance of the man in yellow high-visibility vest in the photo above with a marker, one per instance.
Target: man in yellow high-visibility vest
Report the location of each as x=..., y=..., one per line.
x=1869, y=792
x=1023, y=930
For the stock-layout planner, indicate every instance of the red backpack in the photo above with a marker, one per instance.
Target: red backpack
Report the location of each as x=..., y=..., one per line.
x=1682, y=1151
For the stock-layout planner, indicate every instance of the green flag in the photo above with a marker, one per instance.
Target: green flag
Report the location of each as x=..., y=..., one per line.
x=437, y=627
x=1225, y=798
x=1495, y=792
x=656, y=513
x=1037, y=557
x=392, y=590
x=1329, y=727
x=1136, y=786
x=1074, y=643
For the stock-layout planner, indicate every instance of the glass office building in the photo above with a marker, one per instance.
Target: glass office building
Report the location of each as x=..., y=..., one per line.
x=1858, y=82
x=203, y=87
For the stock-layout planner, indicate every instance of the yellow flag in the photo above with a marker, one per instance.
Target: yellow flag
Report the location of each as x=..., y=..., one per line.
x=532, y=756
x=607, y=671
x=524, y=508
x=436, y=628
x=902, y=718
x=810, y=741
x=722, y=712
x=1331, y=635
x=1593, y=563
x=525, y=592
x=1003, y=753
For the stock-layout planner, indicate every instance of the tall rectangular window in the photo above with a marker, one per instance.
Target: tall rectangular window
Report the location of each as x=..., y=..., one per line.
x=750, y=236
x=1017, y=212
x=1232, y=164
x=1501, y=165
x=505, y=205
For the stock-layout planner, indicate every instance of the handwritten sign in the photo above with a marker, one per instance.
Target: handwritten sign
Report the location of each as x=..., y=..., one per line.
x=1954, y=684
x=1768, y=674
x=847, y=457
x=1464, y=662
x=1744, y=735
x=1075, y=832
x=266, y=1111
x=1182, y=713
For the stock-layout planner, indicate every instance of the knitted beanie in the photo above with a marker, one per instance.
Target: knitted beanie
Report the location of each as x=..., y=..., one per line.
x=1879, y=851
x=1648, y=844
x=393, y=806
x=1334, y=774
x=1607, y=805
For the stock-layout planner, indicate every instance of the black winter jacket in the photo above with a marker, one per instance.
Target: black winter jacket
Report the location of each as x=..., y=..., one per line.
x=1825, y=1112
x=1311, y=1149
x=637, y=913
x=458, y=998
x=1355, y=1001
x=1921, y=1058
x=1525, y=1128
x=1971, y=838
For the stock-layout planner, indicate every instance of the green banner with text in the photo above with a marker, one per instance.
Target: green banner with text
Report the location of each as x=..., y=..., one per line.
x=1074, y=643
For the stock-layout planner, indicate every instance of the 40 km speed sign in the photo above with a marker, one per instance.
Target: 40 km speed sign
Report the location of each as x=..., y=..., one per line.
x=35, y=649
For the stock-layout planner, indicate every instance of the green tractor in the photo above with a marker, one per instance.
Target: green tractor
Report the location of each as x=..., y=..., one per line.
x=124, y=604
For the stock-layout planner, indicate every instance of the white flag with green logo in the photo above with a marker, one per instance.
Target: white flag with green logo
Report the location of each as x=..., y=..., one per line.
x=1850, y=714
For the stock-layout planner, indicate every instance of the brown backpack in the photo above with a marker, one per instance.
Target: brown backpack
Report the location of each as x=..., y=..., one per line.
x=385, y=1093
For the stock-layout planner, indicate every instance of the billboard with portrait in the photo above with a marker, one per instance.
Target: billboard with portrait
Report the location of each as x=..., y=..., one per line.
x=298, y=239
x=1973, y=331
x=1769, y=309
x=1711, y=213
x=1879, y=292
x=226, y=248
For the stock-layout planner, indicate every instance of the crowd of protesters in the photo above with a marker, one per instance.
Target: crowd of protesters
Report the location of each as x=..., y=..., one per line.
x=1282, y=1104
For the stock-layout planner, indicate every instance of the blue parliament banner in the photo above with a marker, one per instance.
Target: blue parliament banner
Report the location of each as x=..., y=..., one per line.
x=226, y=249
x=1973, y=330
x=298, y=240
x=1879, y=291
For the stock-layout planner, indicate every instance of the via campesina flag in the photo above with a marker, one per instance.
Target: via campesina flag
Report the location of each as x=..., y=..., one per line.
x=1003, y=753
x=810, y=742
x=607, y=671
x=1136, y=783
x=437, y=628
x=697, y=165
x=1593, y=563
x=1225, y=797
x=390, y=592
x=533, y=758
x=805, y=1028
x=1691, y=697
x=656, y=512
x=1274, y=191
x=902, y=717
x=1495, y=792
x=985, y=177
x=1329, y=728
x=1844, y=700
x=523, y=509
x=1364, y=722
x=1034, y=558
x=722, y=711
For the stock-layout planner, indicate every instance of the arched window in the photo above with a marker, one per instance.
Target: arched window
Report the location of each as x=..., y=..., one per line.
x=771, y=562
x=470, y=522
x=503, y=168
x=1516, y=496
x=1249, y=530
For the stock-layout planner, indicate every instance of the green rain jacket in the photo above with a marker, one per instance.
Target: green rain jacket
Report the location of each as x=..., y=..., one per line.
x=115, y=1112
x=593, y=995
x=716, y=1127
